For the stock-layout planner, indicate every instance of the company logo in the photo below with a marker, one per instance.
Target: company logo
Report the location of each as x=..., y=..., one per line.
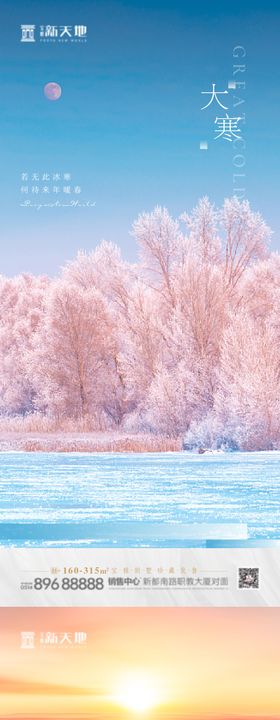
x=27, y=33
x=54, y=33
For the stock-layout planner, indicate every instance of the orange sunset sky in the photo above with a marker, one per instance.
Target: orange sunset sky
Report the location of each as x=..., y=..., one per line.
x=142, y=663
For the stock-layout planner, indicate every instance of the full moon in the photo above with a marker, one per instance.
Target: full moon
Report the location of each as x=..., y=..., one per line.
x=52, y=91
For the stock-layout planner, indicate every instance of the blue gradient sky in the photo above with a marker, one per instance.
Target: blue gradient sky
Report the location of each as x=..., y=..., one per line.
x=129, y=123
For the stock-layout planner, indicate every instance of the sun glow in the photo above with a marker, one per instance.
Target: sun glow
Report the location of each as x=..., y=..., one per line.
x=138, y=692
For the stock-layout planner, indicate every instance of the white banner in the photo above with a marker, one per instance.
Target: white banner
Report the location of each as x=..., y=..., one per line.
x=140, y=577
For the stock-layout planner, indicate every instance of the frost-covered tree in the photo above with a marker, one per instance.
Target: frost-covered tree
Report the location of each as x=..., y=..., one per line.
x=259, y=288
x=162, y=249
x=202, y=229
x=246, y=237
x=142, y=340
x=72, y=355
x=247, y=401
x=21, y=311
x=202, y=302
x=104, y=270
x=176, y=396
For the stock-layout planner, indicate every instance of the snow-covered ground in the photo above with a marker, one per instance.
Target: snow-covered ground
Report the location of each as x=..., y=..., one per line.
x=123, y=499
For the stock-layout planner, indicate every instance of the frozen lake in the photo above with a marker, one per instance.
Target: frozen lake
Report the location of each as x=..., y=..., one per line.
x=133, y=500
